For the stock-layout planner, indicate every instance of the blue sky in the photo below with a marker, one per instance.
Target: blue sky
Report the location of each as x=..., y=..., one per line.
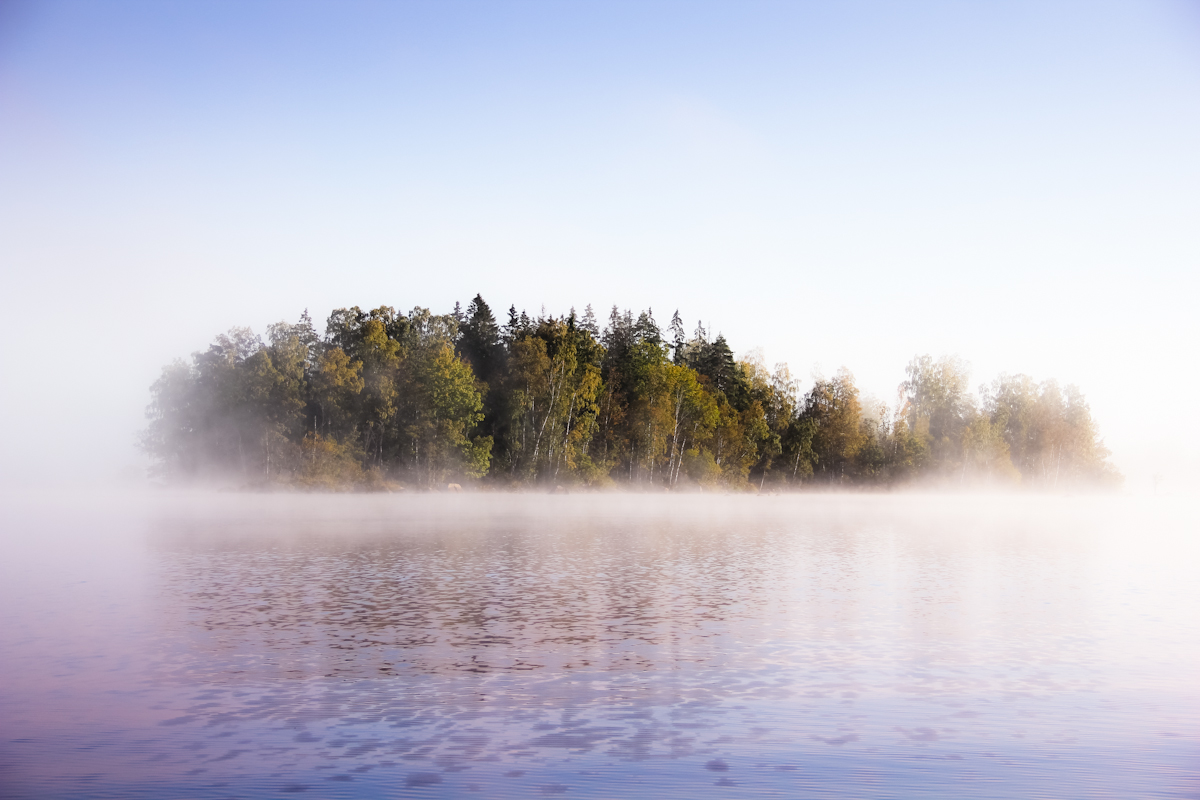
x=836, y=184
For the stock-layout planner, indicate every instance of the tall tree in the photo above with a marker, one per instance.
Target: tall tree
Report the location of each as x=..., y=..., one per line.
x=479, y=342
x=939, y=407
x=445, y=405
x=678, y=339
x=836, y=417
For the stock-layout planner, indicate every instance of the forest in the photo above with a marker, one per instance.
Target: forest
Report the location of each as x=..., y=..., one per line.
x=384, y=400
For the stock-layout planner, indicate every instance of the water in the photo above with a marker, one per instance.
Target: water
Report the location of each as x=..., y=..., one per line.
x=599, y=647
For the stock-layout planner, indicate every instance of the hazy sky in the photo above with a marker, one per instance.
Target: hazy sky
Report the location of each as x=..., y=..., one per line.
x=835, y=183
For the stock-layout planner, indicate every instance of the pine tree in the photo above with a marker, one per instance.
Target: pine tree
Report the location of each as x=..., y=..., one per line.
x=511, y=327
x=479, y=340
x=678, y=339
x=646, y=329
x=589, y=322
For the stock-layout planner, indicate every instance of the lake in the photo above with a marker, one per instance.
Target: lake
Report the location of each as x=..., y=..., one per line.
x=599, y=646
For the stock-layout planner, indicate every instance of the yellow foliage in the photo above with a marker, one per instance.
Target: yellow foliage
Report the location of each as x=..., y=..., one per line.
x=326, y=464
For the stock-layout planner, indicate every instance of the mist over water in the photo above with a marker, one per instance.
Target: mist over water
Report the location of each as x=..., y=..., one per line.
x=599, y=646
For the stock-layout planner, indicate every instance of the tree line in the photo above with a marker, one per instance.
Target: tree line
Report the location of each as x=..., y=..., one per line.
x=384, y=399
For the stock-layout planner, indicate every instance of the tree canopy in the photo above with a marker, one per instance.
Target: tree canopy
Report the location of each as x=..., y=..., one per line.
x=384, y=399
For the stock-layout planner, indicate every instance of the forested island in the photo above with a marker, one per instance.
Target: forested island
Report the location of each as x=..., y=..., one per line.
x=387, y=400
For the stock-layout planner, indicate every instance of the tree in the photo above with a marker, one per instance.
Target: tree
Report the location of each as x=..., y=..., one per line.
x=553, y=385
x=796, y=445
x=693, y=415
x=836, y=419
x=231, y=411
x=381, y=357
x=336, y=383
x=771, y=397
x=175, y=435
x=715, y=361
x=479, y=341
x=678, y=339
x=939, y=407
x=481, y=344
x=1049, y=432
x=588, y=323
x=446, y=403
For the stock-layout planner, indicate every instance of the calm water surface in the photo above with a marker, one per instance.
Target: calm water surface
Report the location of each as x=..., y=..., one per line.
x=594, y=646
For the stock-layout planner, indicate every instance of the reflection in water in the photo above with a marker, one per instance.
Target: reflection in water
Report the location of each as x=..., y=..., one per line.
x=433, y=646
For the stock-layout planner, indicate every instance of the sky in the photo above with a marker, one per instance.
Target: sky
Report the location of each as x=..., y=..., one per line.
x=834, y=184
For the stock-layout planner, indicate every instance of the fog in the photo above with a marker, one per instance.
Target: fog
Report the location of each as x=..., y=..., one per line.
x=1009, y=190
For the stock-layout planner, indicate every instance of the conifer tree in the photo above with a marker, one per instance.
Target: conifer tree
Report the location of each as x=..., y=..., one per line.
x=479, y=339
x=678, y=339
x=589, y=322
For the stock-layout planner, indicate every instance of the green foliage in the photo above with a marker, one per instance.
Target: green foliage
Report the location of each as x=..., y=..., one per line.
x=552, y=403
x=939, y=409
x=328, y=464
x=443, y=405
x=836, y=419
x=701, y=467
x=387, y=398
x=1048, y=432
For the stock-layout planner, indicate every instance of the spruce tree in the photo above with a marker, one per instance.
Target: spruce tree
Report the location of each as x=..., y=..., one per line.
x=678, y=338
x=589, y=322
x=479, y=340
